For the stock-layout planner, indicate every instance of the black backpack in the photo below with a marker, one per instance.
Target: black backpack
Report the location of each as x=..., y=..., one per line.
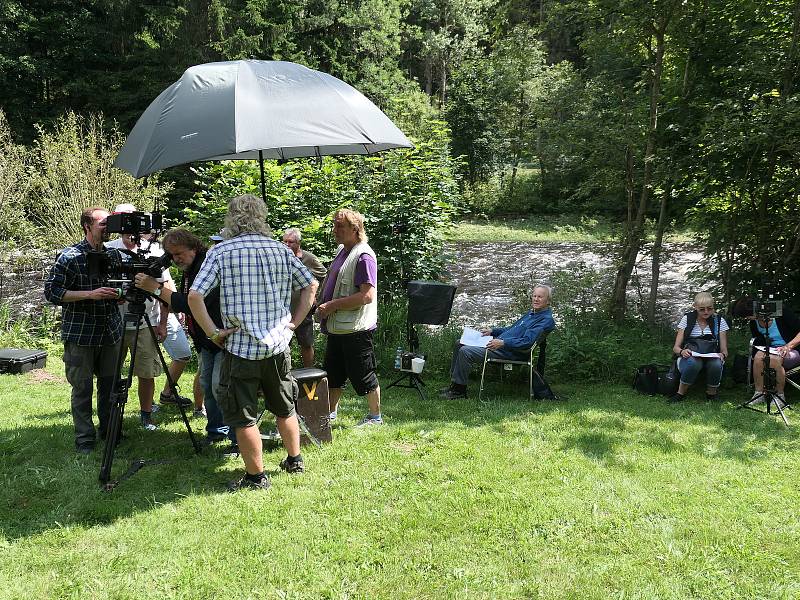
x=645, y=380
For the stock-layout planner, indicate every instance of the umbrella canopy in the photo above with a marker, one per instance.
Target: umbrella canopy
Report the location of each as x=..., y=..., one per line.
x=255, y=109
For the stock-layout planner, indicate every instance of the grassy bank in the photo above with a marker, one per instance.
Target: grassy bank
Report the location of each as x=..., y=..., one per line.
x=607, y=494
x=564, y=228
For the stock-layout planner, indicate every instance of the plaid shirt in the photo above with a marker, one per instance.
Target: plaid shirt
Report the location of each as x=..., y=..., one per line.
x=256, y=276
x=85, y=322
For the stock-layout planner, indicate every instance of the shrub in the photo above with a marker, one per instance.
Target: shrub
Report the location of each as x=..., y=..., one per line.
x=408, y=199
x=72, y=169
x=14, y=182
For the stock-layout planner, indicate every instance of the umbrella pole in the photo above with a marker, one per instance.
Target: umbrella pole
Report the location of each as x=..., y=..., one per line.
x=261, y=168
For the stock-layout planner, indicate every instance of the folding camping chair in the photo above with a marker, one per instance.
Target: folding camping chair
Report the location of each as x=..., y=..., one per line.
x=537, y=353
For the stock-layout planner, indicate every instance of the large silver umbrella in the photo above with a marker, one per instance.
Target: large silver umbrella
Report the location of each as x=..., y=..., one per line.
x=255, y=109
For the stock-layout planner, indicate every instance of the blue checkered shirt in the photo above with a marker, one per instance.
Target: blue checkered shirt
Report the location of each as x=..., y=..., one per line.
x=85, y=322
x=256, y=276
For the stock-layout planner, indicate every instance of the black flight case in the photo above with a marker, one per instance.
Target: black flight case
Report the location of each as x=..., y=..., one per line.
x=17, y=360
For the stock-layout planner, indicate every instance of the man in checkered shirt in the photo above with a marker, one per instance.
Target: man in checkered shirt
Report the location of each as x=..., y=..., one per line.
x=256, y=276
x=91, y=328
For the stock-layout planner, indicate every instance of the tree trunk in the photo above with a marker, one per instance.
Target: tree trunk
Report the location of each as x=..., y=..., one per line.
x=633, y=240
x=657, y=244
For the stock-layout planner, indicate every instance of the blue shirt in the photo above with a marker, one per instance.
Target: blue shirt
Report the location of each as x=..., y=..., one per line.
x=519, y=337
x=256, y=276
x=85, y=322
x=775, y=339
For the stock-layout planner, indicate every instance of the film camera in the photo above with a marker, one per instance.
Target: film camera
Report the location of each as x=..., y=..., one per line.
x=766, y=305
x=120, y=265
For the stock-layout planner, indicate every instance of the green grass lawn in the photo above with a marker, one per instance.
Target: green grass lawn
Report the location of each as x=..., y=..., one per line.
x=608, y=494
x=547, y=228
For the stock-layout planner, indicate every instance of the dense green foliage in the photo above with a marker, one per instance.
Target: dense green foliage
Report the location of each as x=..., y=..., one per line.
x=664, y=109
x=408, y=199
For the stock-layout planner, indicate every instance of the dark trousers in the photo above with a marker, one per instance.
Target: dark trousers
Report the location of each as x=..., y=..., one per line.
x=82, y=363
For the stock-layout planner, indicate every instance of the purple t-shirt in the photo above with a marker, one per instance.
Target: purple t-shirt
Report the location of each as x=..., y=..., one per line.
x=366, y=272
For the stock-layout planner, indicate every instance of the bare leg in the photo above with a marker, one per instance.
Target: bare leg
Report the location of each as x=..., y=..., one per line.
x=374, y=401
x=334, y=394
x=250, y=449
x=147, y=387
x=176, y=368
x=307, y=354
x=289, y=429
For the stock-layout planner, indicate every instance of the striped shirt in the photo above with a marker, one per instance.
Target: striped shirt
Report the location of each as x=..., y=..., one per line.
x=85, y=322
x=698, y=331
x=256, y=276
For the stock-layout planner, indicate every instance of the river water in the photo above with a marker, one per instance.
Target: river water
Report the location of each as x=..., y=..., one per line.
x=488, y=274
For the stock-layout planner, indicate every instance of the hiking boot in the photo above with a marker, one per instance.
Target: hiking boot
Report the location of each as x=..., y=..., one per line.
x=199, y=413
x=248, y=484
x=170, y=398
x=293, y=466
x=371, y=420
x=84, y=449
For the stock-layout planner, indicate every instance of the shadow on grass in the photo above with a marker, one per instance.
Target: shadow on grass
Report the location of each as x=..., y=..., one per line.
x=47, y=485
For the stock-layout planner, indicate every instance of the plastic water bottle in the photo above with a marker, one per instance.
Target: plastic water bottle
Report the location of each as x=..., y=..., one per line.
x=398, y=358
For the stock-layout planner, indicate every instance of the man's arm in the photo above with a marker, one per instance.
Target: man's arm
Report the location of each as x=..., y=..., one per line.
x=304, y=304
x=55, y=288
x=197, y=305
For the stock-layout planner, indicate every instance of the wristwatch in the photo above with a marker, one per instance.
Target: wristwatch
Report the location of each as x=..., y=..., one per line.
x=157, y=291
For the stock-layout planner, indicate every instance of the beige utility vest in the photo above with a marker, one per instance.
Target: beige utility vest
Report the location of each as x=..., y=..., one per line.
x=357, y=319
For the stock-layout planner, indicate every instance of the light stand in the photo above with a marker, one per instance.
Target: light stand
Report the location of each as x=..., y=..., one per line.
x=429, y=303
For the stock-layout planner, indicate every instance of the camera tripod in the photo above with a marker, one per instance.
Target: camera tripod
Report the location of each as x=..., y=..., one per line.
x=134, y=315
x=769, y=395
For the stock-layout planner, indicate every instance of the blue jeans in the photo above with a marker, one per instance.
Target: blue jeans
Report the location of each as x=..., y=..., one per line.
x=690, y=368
x=210, y=363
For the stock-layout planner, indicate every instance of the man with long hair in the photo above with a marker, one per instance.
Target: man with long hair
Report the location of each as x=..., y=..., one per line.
x=349, y=315
x=256, y=275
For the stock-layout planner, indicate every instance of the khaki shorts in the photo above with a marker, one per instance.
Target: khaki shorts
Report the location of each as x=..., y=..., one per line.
x=240, y=380
x=148, y=365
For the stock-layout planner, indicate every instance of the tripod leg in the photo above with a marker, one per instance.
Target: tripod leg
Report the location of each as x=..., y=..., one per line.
x=173, y=388
x=118, y=398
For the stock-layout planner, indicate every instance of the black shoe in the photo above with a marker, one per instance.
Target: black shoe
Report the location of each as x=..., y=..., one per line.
x=293, y=466
x=169, y=398
x=452, y=393
x=231, y=451
x=711, y=397
x=84, y=449
x=248, y=484
x=213, y=438
x=676, y=397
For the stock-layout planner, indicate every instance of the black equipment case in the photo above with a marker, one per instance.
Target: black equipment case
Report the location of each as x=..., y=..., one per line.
x=17, y=360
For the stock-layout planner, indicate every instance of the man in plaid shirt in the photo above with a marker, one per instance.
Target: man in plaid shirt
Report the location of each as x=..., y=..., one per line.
x=256, y=276
x=91, y=328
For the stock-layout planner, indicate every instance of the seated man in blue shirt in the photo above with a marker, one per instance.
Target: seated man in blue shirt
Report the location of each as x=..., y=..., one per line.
x=508, y=342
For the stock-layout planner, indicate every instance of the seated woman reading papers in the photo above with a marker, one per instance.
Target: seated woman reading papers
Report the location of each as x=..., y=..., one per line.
x=701, y=342
x=505, y=342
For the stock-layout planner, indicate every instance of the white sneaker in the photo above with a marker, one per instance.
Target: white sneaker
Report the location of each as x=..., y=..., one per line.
x=759, y=397
x=780, y=401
